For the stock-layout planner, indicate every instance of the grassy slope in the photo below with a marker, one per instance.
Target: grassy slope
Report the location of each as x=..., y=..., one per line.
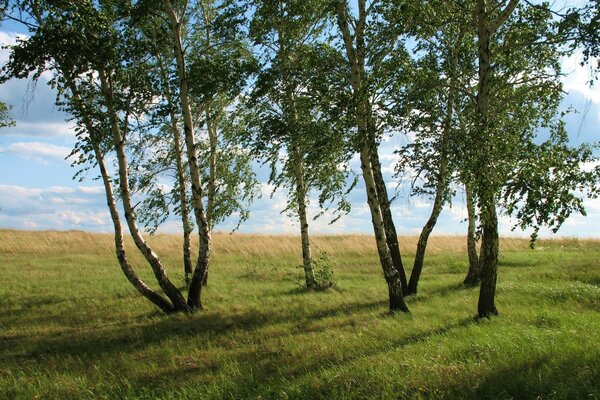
x=72, y=327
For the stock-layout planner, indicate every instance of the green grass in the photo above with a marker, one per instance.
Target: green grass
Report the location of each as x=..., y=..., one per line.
x=72, y=327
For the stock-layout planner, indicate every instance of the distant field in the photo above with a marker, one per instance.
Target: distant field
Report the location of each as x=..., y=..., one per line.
x=71, y=327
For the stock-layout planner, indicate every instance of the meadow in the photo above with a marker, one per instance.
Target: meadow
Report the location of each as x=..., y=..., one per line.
x=71, y=326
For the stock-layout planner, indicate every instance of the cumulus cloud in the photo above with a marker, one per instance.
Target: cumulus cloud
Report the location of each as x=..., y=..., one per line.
x=54, y=207
x=43, y=129
x=37, y=151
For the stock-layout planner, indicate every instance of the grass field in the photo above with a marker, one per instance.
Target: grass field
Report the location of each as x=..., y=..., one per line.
x=72, y=327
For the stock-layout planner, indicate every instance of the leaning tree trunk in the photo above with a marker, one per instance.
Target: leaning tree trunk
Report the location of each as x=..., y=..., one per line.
x=160, y=273
x=129, y=273
x=356, y=59
x=195, y=290
x=392, y=276
x=388, y=221
x=442, y=175
x=473, y=275
x=426, y=231
x=309, y=274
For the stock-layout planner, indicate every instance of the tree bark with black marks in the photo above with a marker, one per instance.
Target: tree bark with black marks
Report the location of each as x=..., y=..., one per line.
x=195, y=290
x=486, y=28
x=486, y=306
x=391, y=236
x=129, y=273
x=356, y=56
x=181, y=176
x=309, y=274
x=179, y=303
x=473, y=275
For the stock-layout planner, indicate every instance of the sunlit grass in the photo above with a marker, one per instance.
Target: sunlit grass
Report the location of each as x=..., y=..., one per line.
x=72, y=327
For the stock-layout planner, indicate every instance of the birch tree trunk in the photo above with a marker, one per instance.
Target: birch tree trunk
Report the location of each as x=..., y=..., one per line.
x=388, y=221
x=487, y=197
x=309, y=274
x=473, y=275
x=212, y=173
x=391, y=274
x=129, y=273
x=183, y=201
x=426, y=231
x=195, y=290
x=442, y=175
x=489, y=263
x=188, y=227
x=356, y=59
x=295, y=152
x=160, y=273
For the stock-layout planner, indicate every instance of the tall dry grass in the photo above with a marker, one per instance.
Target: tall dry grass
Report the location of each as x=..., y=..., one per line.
x=247, y=245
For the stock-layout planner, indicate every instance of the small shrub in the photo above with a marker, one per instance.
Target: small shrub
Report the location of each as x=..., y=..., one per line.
x=324, y=276
x=322, y=268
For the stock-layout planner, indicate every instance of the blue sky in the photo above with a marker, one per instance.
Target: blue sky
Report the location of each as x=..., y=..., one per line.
x=37, y=190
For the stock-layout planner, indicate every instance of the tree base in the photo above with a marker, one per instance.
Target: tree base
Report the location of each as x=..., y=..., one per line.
x=397, y=302
x=471, y=282
x=487, y=314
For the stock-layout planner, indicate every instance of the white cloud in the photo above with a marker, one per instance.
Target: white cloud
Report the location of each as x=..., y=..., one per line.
x=37, y=151
x=40, y=129
x=55, y=207
x=578, y=78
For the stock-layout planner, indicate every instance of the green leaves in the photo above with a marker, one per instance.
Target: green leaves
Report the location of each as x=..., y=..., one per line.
x=5, y=118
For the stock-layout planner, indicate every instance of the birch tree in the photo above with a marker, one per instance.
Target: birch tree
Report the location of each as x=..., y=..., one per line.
x=431, y=105
x=177, y=14
x=519, y=92
x=365, y=49
x=292, y=128
x=86, y=48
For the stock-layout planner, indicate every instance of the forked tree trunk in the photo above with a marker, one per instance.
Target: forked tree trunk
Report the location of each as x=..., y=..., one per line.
x=129, y=273
x=160, y=273
x=195, y=291
x=473, y=275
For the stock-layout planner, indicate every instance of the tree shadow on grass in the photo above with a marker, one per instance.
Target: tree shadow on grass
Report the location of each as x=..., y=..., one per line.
x=541, y=376
x=266, y=370
x=454, y=287
x=522, y=263
x=154, y=329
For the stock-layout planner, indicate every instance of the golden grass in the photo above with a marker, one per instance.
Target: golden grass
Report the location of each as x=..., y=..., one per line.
x=249, y=245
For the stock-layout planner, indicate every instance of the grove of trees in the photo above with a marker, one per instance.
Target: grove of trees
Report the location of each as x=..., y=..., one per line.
x=174, y=101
